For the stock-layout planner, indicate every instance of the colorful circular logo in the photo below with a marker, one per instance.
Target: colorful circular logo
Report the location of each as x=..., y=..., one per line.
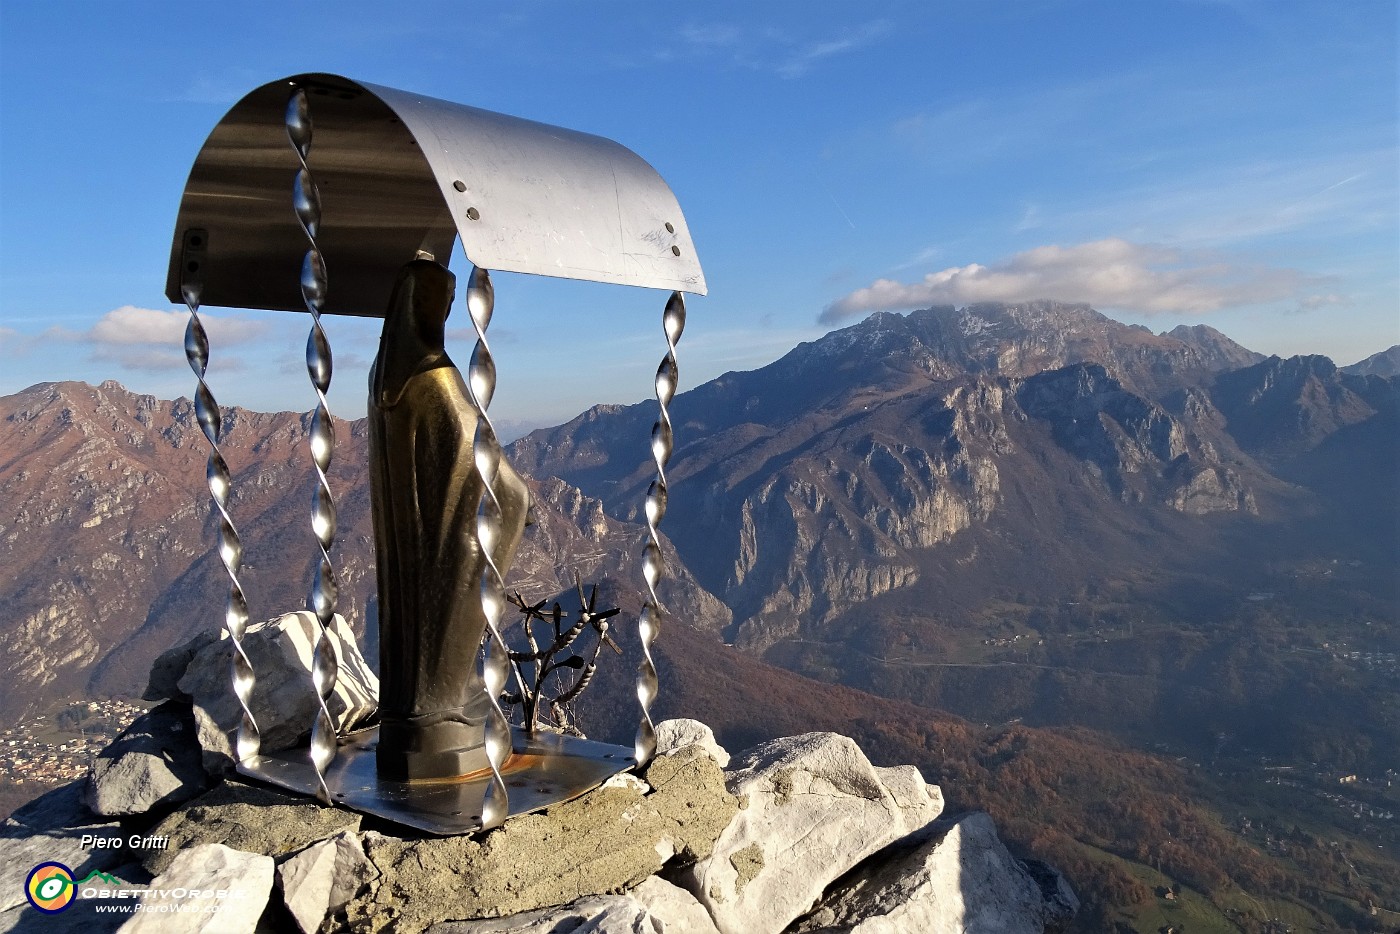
x=50, y=887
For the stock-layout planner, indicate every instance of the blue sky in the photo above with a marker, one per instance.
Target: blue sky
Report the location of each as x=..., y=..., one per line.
x=1230, y=163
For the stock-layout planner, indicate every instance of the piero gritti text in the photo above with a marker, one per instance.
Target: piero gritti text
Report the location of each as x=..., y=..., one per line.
x=134, y=842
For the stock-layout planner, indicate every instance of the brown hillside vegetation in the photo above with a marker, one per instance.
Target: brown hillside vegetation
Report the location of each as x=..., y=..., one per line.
x=1071, y=797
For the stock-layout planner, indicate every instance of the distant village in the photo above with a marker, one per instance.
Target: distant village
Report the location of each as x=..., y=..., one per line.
x=1318, y=781
x=60, y=747
x=1374, y=661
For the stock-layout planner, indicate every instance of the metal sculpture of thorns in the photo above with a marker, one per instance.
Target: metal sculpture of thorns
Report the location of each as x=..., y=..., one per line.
x=545, y=661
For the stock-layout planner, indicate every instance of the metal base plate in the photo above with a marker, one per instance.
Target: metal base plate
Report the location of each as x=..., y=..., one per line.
x=542, y=770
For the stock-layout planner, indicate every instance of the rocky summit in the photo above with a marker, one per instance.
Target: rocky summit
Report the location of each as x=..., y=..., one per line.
x=800, y=833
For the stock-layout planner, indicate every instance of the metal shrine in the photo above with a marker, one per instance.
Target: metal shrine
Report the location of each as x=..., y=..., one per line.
x=355, y=224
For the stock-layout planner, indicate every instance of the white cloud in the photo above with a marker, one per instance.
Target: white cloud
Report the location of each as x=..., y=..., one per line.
x=151, y=359
x=151, y=340
x=717, y=36
x=1031, y=218
x=1309, y=303
x=802, y=58
x=220, y=89
x=923, y=257
x=343, y=362
x=1346, y=193
x=776, y=50
x=131, y=325
x=1110, y=273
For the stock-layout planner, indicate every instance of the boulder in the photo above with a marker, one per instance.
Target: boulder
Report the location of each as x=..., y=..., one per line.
x=611, y=839
x=258, y=820
x=812, y=807
x=163, y=683
x=955, y=877
x=654, y=907
x=232, y=892
x=598, y=914
x=50, y=829
x=673, y=906
x=674, y=735
x=322, y=878
x=153, y=763
x=284, y=701
x=919, y=802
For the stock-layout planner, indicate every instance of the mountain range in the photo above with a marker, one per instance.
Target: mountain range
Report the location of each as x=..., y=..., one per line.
x=1029, y=436
x=1027, y=513
x=106, y=540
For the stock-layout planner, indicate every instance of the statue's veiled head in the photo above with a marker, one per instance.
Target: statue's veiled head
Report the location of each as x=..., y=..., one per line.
x=414, y=326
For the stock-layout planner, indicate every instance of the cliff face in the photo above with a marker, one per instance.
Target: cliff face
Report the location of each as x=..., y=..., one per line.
x=882, y=356
x=1140, y=450
x=833, y=476
x=1279, y=409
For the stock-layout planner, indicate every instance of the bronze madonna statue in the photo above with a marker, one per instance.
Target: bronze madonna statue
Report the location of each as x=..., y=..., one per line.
x=425, y=492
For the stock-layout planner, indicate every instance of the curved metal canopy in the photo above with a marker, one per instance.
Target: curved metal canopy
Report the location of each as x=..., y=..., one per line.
x=399, y=172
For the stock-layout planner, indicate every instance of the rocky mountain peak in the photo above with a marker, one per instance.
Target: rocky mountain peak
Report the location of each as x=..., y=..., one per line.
x=1019, y=340
x=835, y=475
x=1215, y=349
x=1385, y=363
x=882, y=357
x=1283, y=407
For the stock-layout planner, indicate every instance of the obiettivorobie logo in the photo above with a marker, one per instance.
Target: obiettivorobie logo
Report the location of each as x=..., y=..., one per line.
x=50, y=887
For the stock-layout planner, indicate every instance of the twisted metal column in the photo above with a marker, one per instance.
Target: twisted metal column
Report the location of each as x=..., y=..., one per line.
x=653, y=564
x=248, y=739
x=324, y=590
x=486, y=451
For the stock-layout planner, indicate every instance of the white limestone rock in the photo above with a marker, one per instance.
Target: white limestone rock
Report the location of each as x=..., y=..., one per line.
x=626, y=780
x=916, y=798
x=956, y=878
x=812, y=807
x=654, y=907
x=611, y=840
x=284, y=701
x=244, y=878
x=322, y=878
x=674, y=735
x=673, y=906
x=598, y=914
